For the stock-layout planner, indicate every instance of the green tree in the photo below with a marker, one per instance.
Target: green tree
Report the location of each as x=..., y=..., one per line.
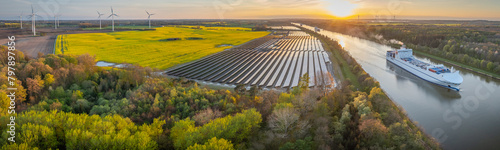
x=305, y=144
x=213, y=144
x=234, y=128
x=56, y=129
x=490, y=66
x=446, y=48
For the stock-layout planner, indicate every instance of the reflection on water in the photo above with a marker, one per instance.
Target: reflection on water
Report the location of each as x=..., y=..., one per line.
x=341, y=42
x=108, y=64
x=468, y=119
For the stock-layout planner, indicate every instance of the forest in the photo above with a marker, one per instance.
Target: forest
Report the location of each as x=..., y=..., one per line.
x=66, y=102
x=470, y=44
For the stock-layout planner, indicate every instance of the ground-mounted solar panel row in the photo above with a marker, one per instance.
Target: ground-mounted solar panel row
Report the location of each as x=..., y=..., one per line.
x=284, y=28
x=272, y=61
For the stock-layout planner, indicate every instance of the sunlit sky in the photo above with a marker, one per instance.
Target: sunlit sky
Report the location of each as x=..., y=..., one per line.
x=256, y=9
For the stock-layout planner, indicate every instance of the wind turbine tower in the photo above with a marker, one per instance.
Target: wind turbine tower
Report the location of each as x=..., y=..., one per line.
x=112, y=19
x=21, y=19
x=149, y=18
x=55, y=22
x=33, y=19
x=99, y=19
x=58, y=20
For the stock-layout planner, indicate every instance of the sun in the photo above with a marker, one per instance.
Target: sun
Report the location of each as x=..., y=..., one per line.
x=341, y=8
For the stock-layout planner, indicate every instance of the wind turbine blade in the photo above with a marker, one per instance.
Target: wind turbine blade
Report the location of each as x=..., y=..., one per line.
x=32, y=9
x=149, y=16
x=110, y=16
x=112, y=10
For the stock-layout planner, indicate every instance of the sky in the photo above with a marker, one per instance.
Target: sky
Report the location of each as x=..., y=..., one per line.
x=255, y=9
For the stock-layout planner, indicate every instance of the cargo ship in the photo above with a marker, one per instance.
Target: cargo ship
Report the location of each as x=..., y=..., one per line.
x=437, y=74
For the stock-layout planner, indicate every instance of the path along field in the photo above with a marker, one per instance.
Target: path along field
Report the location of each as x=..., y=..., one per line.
x=163, y=48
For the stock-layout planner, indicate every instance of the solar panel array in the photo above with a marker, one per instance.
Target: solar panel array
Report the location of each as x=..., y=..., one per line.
x=274, y=61
x=284, y=28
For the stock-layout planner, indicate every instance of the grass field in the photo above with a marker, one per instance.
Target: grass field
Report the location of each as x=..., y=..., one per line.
x=156, y=49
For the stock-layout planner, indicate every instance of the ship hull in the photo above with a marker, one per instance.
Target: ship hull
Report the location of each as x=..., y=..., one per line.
x=420, y=73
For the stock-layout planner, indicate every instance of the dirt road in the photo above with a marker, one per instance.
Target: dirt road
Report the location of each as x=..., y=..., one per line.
x=31, y=46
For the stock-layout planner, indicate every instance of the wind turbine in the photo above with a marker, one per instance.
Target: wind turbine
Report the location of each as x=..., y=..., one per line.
x=149, y=18
x=112, y=19
x=99, y=19
x=21, y=19
x=55, y=22
x=33, y=19
x=58, y=19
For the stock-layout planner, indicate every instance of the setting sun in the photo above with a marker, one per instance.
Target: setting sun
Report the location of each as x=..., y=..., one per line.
x=341, y=8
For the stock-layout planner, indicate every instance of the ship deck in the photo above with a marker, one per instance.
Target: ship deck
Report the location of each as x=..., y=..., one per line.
x=439, y=69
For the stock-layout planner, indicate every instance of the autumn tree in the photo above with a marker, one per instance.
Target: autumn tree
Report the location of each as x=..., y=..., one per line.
x=48, y=79
x=213, y=144
x=373, y=131
x=285, y=123
x=206, y=116
x=34, y=88
x=234, y=128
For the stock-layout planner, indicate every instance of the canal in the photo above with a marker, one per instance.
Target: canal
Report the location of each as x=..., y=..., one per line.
x=468, y=119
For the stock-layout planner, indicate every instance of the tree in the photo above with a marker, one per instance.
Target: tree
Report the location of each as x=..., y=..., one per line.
x=305, y=144
x=254, y=90
x=213, y=144
x=285, y=122
x=302, y=86
x=446, y=48
x=234, y=128
x=81, y=106
x=4, y=103
x=373, y=131
x=34, y=88
x=206, y=116
x=490, y=66
x=240, y=89
x=56, y=106
x=48, y=79
x=56, y=129
x=340, y=126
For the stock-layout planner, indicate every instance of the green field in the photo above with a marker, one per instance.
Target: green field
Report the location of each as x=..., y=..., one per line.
x=119, y=28
x=155, y=49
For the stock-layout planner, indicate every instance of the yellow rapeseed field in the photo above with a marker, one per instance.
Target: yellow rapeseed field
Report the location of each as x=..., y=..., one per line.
x=163, y=48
